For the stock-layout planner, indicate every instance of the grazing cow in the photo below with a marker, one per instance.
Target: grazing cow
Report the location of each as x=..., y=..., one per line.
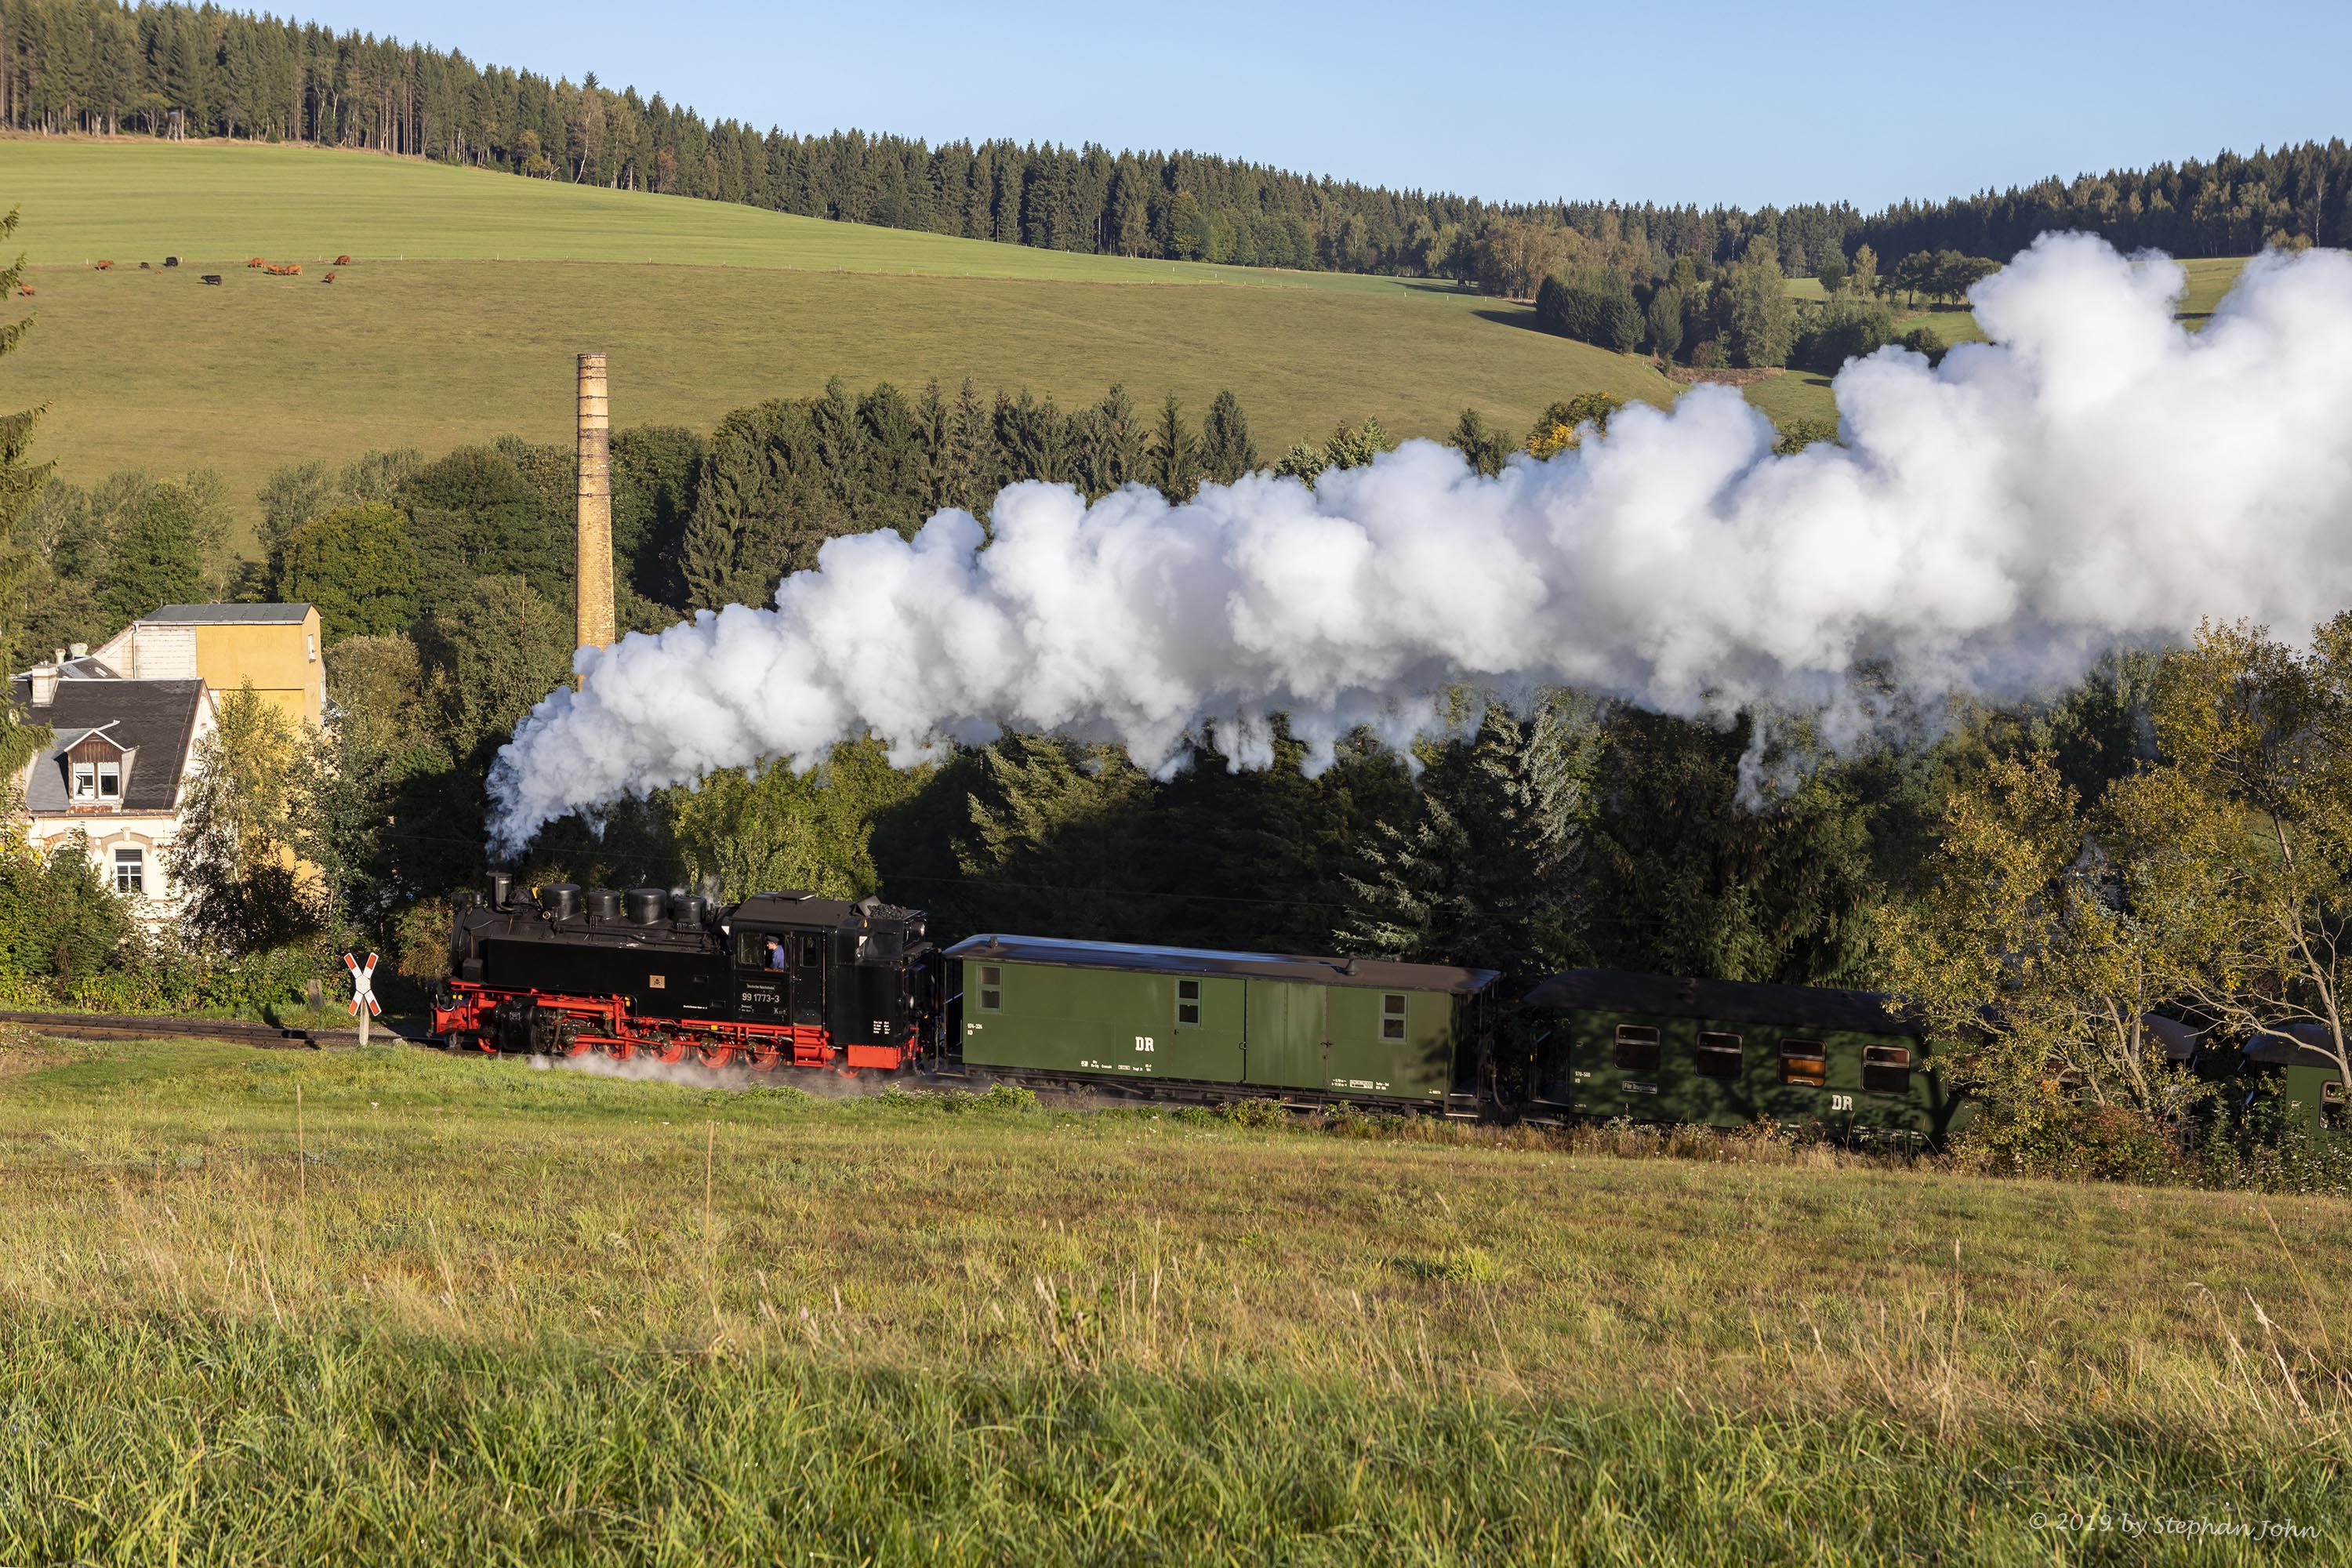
x=343, y=262
x=258, y=261
x=170, y=261
x=24, y=291
x=284, y=270
x=104, y=266
x=210, y=278
x=330, y=278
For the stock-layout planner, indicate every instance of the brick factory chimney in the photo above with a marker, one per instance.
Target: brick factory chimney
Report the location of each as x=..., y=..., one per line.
x=592, y=583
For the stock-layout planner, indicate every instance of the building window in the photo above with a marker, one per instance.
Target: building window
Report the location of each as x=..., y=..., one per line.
x=110, y=780
x=1804, y=1063
x=1391, y=1016
x=1719, y=1055
x=130, y=871
x=85, y=781
x=1637, y=1048
x=992, y=988
x=1188, y=1004
x=1887, y=1070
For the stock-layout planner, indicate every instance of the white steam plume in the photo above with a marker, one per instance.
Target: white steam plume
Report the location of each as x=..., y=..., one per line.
x=2096, y=474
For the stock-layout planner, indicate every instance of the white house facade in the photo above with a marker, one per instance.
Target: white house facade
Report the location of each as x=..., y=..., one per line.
x=116, y=770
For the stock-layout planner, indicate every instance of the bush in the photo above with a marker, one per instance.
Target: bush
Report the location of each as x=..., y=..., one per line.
x=1844, y=328
x=2056, y=1136
x=2258, y=1145
x=1595, y=308
x=1923, y=341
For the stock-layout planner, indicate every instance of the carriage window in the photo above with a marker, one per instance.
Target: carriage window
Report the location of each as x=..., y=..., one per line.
x=812, y=951
x=1392, y=1017
x=1637, y=1048
x=1719, y=1055
x=2333, y=1112
x=1887, y=1070
x=1188, y=1004
x=1805, y=1062
x=992, y=988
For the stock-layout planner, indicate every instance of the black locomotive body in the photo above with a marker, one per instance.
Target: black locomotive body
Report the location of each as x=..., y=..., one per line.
x=779, y=979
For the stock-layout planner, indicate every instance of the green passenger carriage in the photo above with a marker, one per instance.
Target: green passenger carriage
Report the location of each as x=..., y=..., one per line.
x=1283, y=1026
x=1725, y=1053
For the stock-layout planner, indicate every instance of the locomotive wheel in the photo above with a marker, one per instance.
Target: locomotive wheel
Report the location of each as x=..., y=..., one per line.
x=669, y=1048
x=765, y=1058
x=621, y=1052
x=716, y=1056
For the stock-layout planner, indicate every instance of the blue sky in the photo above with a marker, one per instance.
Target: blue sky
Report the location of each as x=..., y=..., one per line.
x=1701, y=101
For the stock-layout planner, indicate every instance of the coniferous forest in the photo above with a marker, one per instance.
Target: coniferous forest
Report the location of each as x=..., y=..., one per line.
x=99, y=67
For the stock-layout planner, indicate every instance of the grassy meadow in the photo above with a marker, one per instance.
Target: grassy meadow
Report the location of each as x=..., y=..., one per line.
x=471, y=291
x=1806, y=394
x=397, y=1307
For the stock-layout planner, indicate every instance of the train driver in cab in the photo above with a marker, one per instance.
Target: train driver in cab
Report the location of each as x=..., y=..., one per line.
x=774, y=957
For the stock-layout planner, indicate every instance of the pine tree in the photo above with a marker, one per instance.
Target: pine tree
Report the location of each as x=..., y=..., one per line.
x=1112, y=448
x=1482, y=446
x=1489, y=870
x=1226, y=451
x=975, y=465
x=1174, y=460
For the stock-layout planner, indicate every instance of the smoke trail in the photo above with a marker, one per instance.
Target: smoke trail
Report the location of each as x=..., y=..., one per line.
x=2096, y=474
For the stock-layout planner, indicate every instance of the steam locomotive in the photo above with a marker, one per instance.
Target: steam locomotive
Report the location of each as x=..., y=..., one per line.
x=794, y=980
x=780, y=980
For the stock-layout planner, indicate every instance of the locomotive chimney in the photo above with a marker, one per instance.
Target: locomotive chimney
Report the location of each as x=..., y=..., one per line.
x=592, y=584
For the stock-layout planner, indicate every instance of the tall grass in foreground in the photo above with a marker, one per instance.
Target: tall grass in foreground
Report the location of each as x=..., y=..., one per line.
x=479, y=1313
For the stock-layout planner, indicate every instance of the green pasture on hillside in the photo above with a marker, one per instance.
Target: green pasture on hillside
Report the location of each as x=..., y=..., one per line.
x=134, y=199
x=1805, y=395
x=156, y=370
x=397, y=1307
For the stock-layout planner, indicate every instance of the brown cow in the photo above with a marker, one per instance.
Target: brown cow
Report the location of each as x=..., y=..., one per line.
x=103, y=266
x=330, y=278
x=24, y=290
x=258, y=261
x=343, y=262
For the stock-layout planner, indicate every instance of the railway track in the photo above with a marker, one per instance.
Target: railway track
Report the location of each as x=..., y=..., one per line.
x=127, y=1026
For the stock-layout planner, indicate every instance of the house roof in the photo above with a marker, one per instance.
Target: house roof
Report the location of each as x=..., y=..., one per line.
x=153, y=720
x=1720, y=1001
x=1369, y=973
x=230, y=615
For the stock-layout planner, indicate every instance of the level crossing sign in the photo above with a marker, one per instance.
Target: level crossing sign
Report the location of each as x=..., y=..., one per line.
x=364, y=1003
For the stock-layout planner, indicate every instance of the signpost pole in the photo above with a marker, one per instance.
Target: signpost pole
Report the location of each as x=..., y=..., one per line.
x=364, y=1005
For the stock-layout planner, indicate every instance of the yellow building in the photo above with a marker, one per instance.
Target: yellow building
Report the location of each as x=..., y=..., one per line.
x=276, y=646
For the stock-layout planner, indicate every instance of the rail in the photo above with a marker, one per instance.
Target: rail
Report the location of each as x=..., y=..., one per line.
x=142, y=1027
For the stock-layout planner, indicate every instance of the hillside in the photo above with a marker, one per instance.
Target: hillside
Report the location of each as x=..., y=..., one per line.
x=471, y=290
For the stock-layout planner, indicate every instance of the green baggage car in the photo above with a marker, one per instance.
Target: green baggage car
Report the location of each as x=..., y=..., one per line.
x=1722, y=1053
x=1278, y=1024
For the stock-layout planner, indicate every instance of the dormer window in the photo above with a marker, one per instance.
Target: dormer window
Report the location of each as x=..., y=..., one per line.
x=97, y=783
x=94, y=768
